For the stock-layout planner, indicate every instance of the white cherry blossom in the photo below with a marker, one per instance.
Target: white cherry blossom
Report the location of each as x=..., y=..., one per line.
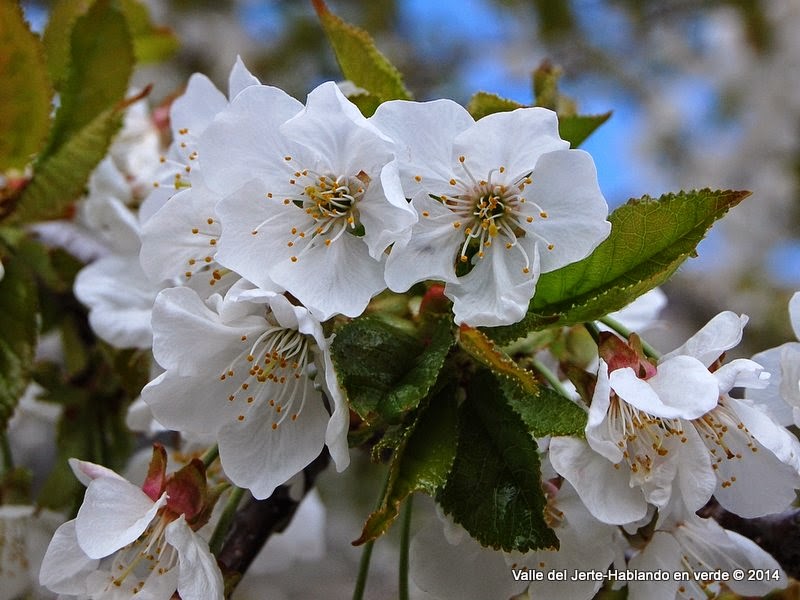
x=128, y=541
x=180, y=228
x=684, y=543
x=500, y=200
x=311, y=202
x=249, y=370
x=655, y=432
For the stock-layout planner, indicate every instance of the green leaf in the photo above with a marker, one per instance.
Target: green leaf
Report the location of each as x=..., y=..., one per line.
x=420, y=463
x=649, y=240
x=61, y=178
x=576, y=128
x=494, y=488
x=361, y=62
x=483, y=103
x=25, y=92
x=546, y=412
x=101, y=63
x=18, y=331
x=386, y=371
x=56, y=38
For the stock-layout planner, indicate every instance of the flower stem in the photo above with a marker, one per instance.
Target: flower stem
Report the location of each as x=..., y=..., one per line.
x=626, y=333
x=551, y=377
x=593, y=331
x=210, y=455
x=405, y=540
x=225, y=520
x=366, y=555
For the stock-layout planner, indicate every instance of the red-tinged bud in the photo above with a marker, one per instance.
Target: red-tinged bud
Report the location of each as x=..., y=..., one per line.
x=156, y=478
x=187, y=490
x=434, y=301
x=619, y=354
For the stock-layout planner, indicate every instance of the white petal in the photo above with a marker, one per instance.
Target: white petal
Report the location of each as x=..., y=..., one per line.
x=598, y=433
x=496, y=291
x=338, y=279
x=197, y=107
x=185, y=327
x=386, y=215
x=113, y=514
x=794, y=314
x=643, y=311
x=684, y=385
x=515, y=140
x=280, y=452
x=770, y=398
x=65, y=566
x=695, y=475
x=466, y=571
x=339, y=423
x=243, y=141
x=431, y=251
x=240, y=78
x=721, y=333
x=662, y=553
x=604, y=490
x=199, y=577
x=741, y=373
x=764, y=476
x=86, y=472
x=423, y=133
x=565, y=187
x=120, y=299
x=176, y=239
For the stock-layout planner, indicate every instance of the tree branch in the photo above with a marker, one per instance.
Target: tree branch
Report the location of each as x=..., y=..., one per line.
x=257, y=520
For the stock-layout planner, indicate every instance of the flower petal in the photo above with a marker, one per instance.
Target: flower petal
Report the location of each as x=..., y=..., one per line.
x=65, y=566
x=113, y=514
x=721, y=333
x=199, y=577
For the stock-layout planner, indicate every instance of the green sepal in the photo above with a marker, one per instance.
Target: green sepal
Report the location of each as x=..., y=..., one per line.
x=361, y=62
x=19, y=328
x=494, y=488
x=384, y=370
x=25, y=91
x=649, y=240
x=420, y=462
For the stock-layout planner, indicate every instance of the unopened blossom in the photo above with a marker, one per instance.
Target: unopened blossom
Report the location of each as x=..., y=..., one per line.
x=180, y=227
x=128, y=540
x=312, y=196
x=248, y=369
x=693, y=551
x=500, y=201
x=656, y=431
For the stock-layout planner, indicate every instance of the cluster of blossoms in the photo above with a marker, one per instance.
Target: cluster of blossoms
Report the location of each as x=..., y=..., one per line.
x=270, y=218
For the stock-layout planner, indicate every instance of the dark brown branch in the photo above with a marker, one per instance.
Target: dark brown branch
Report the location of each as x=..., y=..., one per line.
x=778, y=534
x=257, y=520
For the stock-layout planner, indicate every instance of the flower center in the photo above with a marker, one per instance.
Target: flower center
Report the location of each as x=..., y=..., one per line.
x=645, y=440
x=330, y=204
x=276, y=364
x=727, y=439
x=488, y=211
x=148, y=556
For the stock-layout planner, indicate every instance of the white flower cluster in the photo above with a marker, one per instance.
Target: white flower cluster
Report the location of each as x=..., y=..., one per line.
x=269, y=217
